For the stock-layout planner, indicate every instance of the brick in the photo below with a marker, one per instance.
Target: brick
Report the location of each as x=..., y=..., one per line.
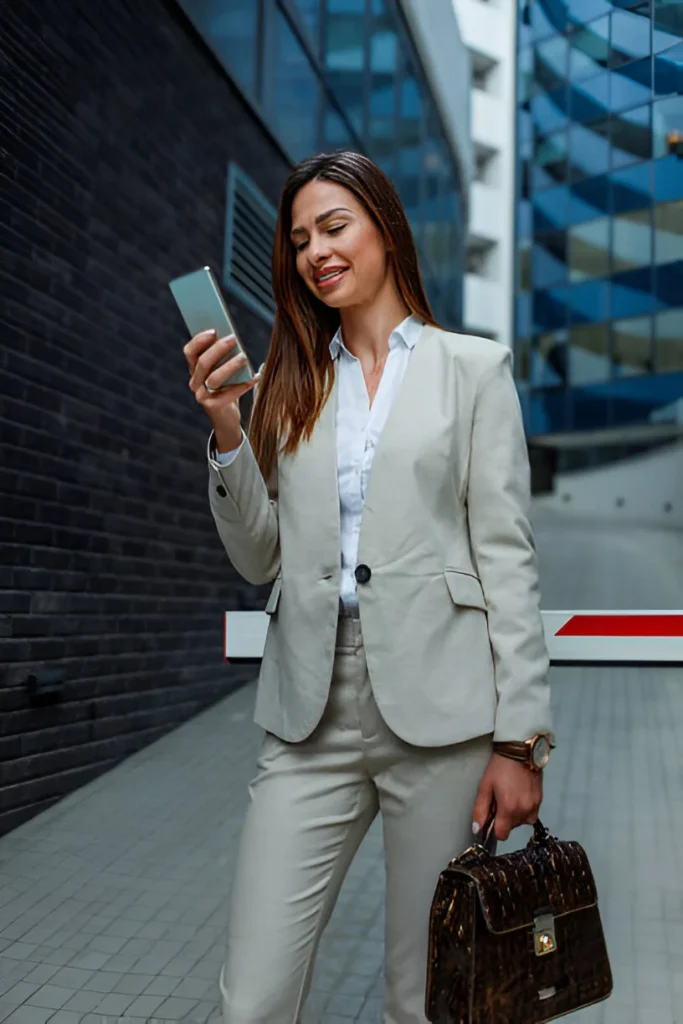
x=111, y=566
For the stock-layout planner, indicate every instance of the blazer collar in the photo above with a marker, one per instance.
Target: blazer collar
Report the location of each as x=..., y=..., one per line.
x=406, y=333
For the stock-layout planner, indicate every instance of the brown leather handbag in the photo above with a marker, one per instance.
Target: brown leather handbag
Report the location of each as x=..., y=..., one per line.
x=516, y=938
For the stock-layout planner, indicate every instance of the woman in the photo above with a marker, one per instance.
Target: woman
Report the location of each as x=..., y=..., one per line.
x=405, y=640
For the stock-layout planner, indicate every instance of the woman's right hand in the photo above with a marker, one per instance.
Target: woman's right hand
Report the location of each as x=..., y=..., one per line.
x=202, y=353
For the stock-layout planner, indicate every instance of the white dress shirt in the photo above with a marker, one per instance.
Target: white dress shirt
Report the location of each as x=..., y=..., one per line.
x=359, y=428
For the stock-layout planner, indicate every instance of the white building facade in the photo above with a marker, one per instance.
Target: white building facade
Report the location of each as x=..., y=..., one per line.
x=488, y=29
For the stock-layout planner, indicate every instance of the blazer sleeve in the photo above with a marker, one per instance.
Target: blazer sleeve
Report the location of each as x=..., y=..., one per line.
x=498, y=500
x=245, y=511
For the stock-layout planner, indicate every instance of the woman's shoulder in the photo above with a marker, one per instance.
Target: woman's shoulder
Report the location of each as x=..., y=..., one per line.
x=472, y=352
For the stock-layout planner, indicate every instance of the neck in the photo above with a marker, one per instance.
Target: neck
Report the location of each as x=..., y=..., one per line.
x=367, y=328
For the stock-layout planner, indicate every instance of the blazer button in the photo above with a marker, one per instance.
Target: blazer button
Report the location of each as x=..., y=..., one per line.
x=363, y=573
x=221, y=491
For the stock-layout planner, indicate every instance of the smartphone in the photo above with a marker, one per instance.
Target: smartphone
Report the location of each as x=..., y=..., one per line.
x=203, y=308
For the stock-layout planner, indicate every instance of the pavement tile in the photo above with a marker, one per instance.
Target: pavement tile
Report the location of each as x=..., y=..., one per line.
x=117, y=897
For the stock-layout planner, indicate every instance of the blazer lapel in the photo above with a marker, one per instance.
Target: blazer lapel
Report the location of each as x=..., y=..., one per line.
x=311, y=472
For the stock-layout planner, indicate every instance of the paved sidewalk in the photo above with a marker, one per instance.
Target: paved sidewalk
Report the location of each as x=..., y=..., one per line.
x=113, y=903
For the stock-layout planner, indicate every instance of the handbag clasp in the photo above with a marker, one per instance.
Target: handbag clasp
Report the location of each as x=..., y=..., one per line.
x=545, y=940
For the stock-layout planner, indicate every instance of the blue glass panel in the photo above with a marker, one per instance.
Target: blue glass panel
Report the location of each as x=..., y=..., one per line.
x=589, y=199
x=295, y=93
x=523, y=315
x=630, y=38
x=525, y=126
x=667, y=117
x=631, y=85
x=590, y=408
x=550, y=209
x=589, y=101
x=524, y=33
x=550, y=62
x=632, y=293
x=384, y=50
x=410, y=155
x=231, y=30
x=550, y=160
x=668, y=284
x=344, y=59
x=310, y=15
x=668, y=233
x=549, y=412
x=549, y=359
x=588, y=249
x=669, y=71
x=589, y=353
x=668, y=22
x=524, y=219
x=549, y=309
x=549, y=260
x=632, y=346
x=589, y=150
x=581, y=11
x=669, y=341
x=525, y=75
x=632, y=188
x=589, y=49
x=549, y=111
x=668, y=178
x=588, y=301
x=547, y=17
x=635, y=399
x=632, y=239
x=336, y=134
x=631, y=137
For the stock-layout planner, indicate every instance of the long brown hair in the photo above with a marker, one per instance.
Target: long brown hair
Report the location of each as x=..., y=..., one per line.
x=298, y=374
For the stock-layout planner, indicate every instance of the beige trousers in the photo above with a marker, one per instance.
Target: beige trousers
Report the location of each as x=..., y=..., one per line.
x=311, y=805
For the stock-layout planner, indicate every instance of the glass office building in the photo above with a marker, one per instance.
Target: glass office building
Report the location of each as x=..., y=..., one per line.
x=344, y=74
x=599, y=310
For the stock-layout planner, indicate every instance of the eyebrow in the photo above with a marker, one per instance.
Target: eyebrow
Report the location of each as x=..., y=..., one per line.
x=320, y=218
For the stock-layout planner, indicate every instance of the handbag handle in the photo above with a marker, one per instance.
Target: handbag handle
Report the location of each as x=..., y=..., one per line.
x=541, y=834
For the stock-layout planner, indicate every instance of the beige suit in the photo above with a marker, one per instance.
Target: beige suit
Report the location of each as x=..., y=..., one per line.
x=451, y=625
x=393, y=712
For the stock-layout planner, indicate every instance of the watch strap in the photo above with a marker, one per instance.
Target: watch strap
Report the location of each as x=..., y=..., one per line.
x=517, y=751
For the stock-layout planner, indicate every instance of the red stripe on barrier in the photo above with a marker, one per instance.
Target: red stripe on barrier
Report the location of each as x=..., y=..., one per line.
x=623, y=625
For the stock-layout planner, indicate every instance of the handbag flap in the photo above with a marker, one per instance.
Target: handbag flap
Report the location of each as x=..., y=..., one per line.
x=512, y=887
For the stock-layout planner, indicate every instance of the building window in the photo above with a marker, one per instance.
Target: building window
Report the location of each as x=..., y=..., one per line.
x=294, y=93
x=669, y=341
x=231, y=30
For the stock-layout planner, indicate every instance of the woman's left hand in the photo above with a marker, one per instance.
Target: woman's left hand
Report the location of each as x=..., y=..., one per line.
x=517, y=791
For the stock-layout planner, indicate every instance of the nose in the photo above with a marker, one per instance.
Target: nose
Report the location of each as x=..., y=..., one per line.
x=318, y=249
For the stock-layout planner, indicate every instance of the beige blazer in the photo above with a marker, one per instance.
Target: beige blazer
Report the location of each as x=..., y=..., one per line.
x=450, y=616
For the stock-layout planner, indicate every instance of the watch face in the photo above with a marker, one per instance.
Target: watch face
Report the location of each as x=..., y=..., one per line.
x=540, y=753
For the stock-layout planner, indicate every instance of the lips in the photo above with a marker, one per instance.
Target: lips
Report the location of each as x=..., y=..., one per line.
x=329, y=276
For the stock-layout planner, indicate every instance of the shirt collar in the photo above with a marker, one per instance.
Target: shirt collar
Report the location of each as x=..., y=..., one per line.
x=407, y=333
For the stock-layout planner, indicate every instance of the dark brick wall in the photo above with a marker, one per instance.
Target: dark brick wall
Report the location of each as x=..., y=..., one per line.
x=116, y=127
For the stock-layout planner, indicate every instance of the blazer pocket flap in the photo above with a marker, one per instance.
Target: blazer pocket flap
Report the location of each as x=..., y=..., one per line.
x=465, y=589
x=274, y=597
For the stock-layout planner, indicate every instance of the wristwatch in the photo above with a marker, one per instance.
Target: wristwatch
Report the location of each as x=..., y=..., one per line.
x=534, y=754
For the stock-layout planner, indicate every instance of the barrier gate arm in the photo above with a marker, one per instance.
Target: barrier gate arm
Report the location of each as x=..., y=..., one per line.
x=573, y=637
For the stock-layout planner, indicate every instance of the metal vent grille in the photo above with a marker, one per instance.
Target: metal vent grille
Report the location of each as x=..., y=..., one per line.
x=249, y=236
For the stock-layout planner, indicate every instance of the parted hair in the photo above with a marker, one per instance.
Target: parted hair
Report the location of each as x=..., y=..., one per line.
x=298, y=373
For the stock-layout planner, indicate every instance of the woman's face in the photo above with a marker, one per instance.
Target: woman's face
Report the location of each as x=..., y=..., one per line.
x=340, y=252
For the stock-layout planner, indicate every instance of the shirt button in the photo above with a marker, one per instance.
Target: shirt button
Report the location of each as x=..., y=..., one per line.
x=221, y=491
x=363, y=573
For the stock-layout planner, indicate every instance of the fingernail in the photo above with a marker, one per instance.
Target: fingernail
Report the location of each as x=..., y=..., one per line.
x=476, y=827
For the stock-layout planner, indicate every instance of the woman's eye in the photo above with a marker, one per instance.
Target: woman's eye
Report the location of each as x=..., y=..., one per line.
x=300, y=247
x=336, y=230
